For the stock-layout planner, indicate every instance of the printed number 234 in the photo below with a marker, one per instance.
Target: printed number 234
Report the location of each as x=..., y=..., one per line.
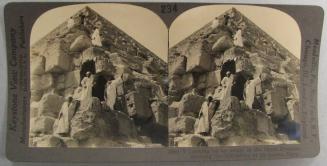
x=168, y=8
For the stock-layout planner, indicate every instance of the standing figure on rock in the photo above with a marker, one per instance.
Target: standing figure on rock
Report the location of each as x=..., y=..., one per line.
x=87, y=84
x=65, y=115
x=96, y=38
x=111, y=92
x=238, y=38
x=226, y=83
x=250, y=91
x=207, y=111
x=70, y=23
x=215, y=23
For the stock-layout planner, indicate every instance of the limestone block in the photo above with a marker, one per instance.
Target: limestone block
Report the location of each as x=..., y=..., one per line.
x=213, y=79
x=42, y=82
x=190, y=104
x=178, y=83
x=178, y=65
x=81, y=43
x=275, y=103
x=138, y=105
x=126, y=126
x=42, y=124
x=48, y=141
x=37, y=65
x=264, y=124
x=190, y=141
x=183, y=124
x=198, y=60
x=36, y=95
x=92, y=52
x=222, y=44
x=57, y=59
x=232, y=53
x=50, y=105
x=72, y=79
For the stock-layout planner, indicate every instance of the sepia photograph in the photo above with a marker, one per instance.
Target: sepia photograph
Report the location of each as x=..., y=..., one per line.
x=234, y=73
x=97, y=75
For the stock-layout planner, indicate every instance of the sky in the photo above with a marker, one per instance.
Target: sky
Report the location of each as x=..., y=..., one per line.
x=148, y=29
x=276, y=23
x=141, y=24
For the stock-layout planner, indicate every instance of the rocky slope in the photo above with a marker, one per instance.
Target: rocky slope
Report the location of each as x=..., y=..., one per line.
x=59, y=62
x=199, y=63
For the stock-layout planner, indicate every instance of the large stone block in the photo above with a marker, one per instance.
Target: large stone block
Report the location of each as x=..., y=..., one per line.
x=47, y=141
x=198, y=60
x=244, y=64
x=179, y=83
x=36, y=95
x=275, y=103
x=50, y=105
x=81, y=43
x=92, y=52
x=42, y=82
x=177, y=65
x=37, y=65
x=190, y=141
x=57, y=59
x=184, y=124
x=222, y=44
x=213, y=79
x=232, y=53
x=264, y=124
x=72, y=79
x=138, y=105
x=126, y=126
x=42, y=125
x=190, y=104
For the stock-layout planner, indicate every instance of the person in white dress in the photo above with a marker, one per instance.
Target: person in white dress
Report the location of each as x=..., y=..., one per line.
x=226, y=83
x=70, y=23
x=238, y=38
x=96, y=38
x=111, y=92
x=86, y=94
x=250, y=91
x=65, y=115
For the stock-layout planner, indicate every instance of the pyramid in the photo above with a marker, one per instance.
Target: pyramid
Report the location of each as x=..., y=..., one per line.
x=252, y=79
x=60, y=62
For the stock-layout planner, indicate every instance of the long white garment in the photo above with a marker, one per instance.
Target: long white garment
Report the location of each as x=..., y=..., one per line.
x=227, y=84
x=250, y=91
x=96, y=38
x=70, y=23
x=63, y=119
x=214, y=23
x=238, y=39
x=87, y=84
x=203, y=125
x=111, y=93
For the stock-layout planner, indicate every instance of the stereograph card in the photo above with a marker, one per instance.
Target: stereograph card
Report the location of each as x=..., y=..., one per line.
x=89, y=82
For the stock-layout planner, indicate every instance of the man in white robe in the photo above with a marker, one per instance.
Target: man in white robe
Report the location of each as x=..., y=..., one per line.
x=111, y=92
x=250, y=91
x=65, y=115
x=238, y=38
x=96, y=38
x=205, y=115
x=227, y=83
x=86, y=94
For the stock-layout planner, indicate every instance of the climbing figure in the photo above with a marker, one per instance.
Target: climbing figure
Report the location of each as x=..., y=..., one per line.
x=70, y=23
x=206, y=113
x=96, y=38
x=65, y=115
x=215, y=23
x=238, y=38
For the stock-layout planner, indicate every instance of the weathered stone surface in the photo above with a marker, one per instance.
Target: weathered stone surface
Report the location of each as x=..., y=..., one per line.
x=72, y=79
x=245, y=65
x=42, y=82
x=173, y=109
x=222, y=44
x=190, y=141
x=190, y=104
x=69, y=142
x=42, y=124
x=230, y=103
x=184, y=124
x=178, y=66
x=213, y=79
x=83, y=125
x=91, y=53
x=178, y=83
x=138, y=105
x=37, y=65
x=48, y=141
x=126, y=126
x=50, y=105
x=275, y=103
x=199, y=63
x=36, y=95
x=160, y=112
x=81, y=43
x=264, y=124
x=57, y=59
x=232, y=53
x=34, y=109
x=221, y=124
